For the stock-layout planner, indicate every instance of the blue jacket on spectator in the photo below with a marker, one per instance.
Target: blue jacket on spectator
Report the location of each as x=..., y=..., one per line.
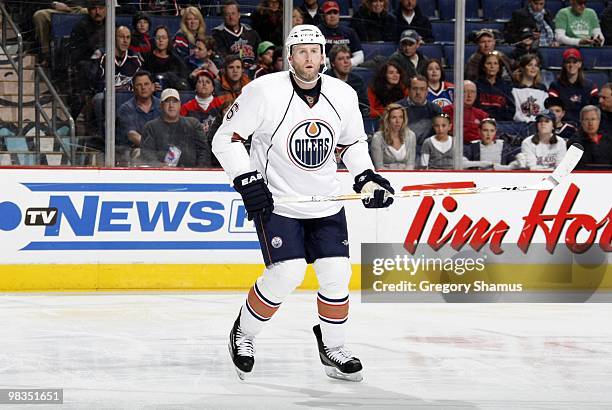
x=496, y=99
x=131, y=118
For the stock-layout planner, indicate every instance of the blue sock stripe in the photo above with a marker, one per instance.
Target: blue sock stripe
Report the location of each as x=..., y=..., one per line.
x=330, y=300
x=333, y=321
x=263, y=298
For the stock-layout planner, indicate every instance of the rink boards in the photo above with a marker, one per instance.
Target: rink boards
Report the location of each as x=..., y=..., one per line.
x=103, y=229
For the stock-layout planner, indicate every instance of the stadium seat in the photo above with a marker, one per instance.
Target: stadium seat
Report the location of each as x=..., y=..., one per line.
x=443, y=31
x=474, y=26
x=62, y=25
x=365, y=74
x=553, y=6
x=552, y=56
x=449, y=75
x=597, y=5
x=212, y=22
x=449, y=53
x=428, y=7
x=124, y=21
x=499, y=10
x=370, y=125
x=598, y=77
x=597, y=57
x=370, y=50
x=172, y=22
x=447, y=9
x=432, y=51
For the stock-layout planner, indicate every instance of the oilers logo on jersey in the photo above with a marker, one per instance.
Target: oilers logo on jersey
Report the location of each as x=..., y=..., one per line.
x=310, y=144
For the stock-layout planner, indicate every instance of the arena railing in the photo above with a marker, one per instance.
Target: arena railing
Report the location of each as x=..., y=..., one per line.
x=7, y=22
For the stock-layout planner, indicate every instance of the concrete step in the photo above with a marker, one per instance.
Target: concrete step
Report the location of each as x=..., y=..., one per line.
x=8, y=74
x=28, y=60
x=9, y=88
x=10, y=114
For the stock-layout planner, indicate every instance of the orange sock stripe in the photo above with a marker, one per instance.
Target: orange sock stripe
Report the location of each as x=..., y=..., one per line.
x=260, y=307
x=333, y=311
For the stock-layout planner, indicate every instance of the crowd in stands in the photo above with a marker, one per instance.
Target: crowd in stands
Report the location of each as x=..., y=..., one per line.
x=408, y=96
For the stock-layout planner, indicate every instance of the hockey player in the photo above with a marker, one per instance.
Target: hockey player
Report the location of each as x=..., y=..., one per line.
x=297, y=119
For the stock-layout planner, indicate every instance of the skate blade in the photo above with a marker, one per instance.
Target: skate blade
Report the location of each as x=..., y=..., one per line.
x=334, y=373
x=241, y=375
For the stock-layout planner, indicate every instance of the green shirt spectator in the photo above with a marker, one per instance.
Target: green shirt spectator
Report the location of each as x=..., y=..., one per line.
x=578, y=25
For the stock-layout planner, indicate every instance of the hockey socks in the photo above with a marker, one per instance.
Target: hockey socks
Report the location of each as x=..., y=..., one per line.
x=333, y=314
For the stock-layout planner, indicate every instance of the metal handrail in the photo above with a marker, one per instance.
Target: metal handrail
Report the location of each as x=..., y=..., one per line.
x=56, y=103
x=17, y=66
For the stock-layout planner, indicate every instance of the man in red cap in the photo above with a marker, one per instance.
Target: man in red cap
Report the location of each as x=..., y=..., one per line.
x=336, y=34
x=572, y=87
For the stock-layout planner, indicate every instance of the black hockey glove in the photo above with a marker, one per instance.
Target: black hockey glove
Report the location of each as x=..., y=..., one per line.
x=372, y=183
x=255, y=194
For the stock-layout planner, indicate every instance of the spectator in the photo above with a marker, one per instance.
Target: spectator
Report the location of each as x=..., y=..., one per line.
x=485, y=39
x=472, y=116
x=204, y=107
x=605, y=105
x=233, y=79
x=408, y=55
x=141, y=42
x=137, y=111
x=127, y=63
x=310, y=12
x=544, y=149
x=526, y=45
x=268, y=21
x=596, y=142
x=439, y=92
x=572, y=87
x=297, y=17
x=192, y=27
x=489, y=152
x=233, y=37
x=277, y=57
x=410, y=17
x=87, y=38
x=529, y=93
x=167, y=68
x=420, y=111
x=42, y=23
x=565, y=130
x=388, y=85
x=578, y=25
x=605, y=20
x=494, y=94
x=265, y=59
x=172, y=140
x=535, y=17
x=394, y=145
x=201, y=57
x=437, y=150
x=341, y=68
x=336, y=34
x=372, y=22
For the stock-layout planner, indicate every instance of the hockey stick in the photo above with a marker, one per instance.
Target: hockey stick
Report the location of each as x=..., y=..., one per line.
x=567, y=165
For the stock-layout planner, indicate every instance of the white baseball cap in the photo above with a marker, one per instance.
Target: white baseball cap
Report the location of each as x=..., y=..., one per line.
x=170, y=92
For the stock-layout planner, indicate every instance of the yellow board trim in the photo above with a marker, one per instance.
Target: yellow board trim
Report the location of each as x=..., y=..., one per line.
x=44, y=278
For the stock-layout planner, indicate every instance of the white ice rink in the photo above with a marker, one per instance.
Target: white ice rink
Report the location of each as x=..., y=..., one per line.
x=169, y=351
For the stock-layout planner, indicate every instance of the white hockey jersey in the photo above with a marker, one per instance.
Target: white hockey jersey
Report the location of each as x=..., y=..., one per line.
x=293, y=145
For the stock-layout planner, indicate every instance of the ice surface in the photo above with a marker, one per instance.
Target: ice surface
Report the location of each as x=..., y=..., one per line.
x=169, y=351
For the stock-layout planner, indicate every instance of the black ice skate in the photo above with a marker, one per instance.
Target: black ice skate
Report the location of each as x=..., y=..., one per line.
x=338, y=362
x=241, y=349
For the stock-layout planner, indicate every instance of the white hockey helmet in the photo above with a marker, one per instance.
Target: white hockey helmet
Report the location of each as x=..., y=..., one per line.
x=305, y=34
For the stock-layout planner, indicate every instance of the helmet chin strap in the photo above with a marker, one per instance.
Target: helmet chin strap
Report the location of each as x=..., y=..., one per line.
x=292, y=70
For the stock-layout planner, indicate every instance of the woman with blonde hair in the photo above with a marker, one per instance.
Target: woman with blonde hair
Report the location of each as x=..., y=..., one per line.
x=373, y=22
x=192, y=27
x=394, y=146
